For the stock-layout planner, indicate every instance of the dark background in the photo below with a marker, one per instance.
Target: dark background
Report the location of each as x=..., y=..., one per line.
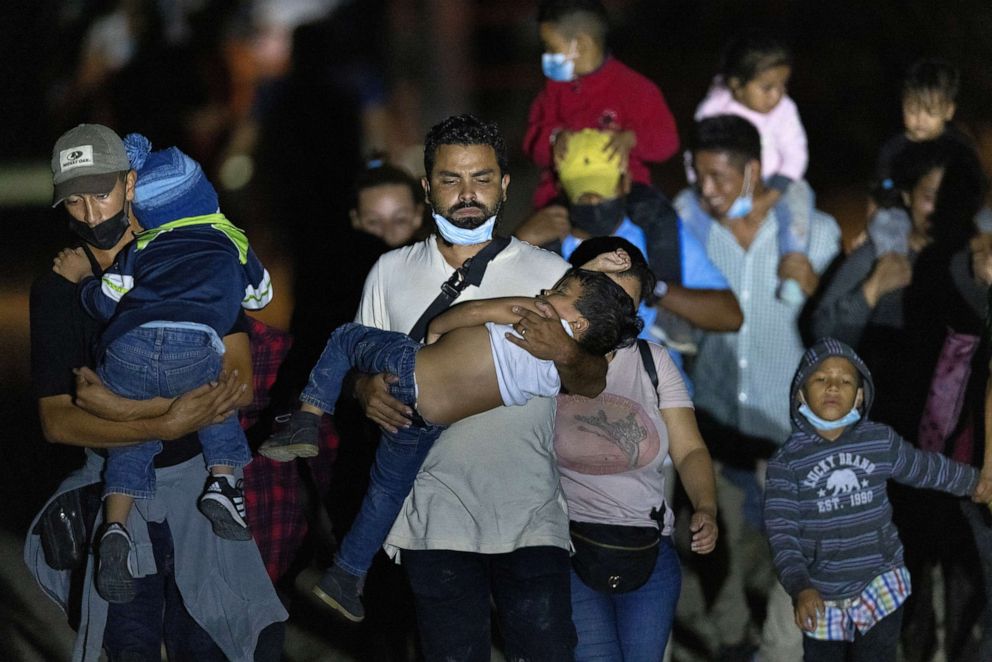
x=436, y=57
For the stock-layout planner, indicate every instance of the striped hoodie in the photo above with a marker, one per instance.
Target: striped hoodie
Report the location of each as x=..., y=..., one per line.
x=827, y=514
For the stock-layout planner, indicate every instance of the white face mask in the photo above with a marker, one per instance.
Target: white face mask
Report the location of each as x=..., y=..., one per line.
x=744, y=203
x=464, y=236
x=849, y=418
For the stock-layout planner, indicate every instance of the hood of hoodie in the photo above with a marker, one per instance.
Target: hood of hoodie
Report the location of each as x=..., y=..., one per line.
x=822, y=350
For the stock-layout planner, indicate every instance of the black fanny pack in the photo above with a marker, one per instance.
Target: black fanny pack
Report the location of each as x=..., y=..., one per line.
x=65, y=527
x=612, y=558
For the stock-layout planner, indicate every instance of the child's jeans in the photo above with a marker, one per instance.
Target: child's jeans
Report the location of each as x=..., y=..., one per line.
x=399, y=456
x=793, y=211
x=149, y=362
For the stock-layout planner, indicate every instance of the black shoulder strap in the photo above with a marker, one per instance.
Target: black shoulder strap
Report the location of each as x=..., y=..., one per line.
x=648, y=360
x=470, y=273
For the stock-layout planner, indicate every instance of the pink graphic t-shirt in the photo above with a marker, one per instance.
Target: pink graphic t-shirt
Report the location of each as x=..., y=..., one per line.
x=611, y=448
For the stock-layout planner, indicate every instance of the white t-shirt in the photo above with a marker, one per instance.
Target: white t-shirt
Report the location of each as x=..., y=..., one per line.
x=490, y=483
x=611, y=448
x=520, y=375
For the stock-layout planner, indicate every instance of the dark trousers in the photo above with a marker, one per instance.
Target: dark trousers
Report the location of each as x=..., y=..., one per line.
x=530, y=587
x=879, y=644
x=135, y=630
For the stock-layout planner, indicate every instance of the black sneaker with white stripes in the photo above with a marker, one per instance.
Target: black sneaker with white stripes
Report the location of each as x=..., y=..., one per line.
x=223, y=503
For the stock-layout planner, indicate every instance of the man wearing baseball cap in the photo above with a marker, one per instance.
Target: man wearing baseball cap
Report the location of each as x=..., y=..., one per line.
x=94, y=182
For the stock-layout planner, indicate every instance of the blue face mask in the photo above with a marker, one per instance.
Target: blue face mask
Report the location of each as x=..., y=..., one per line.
x=743, y=204
x=849, y=418
x=464, y=236
x=558, y=67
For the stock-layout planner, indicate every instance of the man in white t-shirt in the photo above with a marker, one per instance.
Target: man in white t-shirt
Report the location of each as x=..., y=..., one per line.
x=486, y=518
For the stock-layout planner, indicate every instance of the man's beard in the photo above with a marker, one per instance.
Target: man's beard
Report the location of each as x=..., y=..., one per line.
x=469, y=222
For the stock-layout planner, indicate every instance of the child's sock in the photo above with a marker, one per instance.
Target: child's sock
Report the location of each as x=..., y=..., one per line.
x=297, y=439
x=342, y=591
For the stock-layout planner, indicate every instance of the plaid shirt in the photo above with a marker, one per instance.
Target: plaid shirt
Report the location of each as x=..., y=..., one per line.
x=742, y=379
x=880, y=598
x=273, y=496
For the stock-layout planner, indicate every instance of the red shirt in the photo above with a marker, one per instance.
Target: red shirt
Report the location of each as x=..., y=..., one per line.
x=274, y=497
x=614, y=97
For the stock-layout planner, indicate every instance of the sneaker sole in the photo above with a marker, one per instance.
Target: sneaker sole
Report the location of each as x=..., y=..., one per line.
x=114, y=582
x=225, y=524
x=288, y=452
x=335, y=605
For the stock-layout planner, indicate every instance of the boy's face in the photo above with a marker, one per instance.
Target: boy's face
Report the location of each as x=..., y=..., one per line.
x=926, y=116
x=562, y=298
x=832, y=390
x=763, y=92
x=388, y=212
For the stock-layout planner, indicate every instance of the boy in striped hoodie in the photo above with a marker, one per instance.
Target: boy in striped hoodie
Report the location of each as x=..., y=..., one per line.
x=827, y=515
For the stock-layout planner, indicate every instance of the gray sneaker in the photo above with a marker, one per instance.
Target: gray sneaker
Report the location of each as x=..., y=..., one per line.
x=299, y=438
x=114, y=575
x=342, y=591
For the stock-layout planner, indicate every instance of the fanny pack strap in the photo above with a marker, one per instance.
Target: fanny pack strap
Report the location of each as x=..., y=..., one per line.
x=470, y=273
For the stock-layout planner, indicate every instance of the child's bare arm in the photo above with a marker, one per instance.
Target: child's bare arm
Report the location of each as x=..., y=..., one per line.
x=476, y=313
x=72, y=264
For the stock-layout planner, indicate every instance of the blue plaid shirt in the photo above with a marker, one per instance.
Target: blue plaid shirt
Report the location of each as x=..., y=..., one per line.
x=742, y=379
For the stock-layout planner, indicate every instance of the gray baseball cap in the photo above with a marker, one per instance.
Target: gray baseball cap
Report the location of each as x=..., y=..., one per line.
x=87, y=159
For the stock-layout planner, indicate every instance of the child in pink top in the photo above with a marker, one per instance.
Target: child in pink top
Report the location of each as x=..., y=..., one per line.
x=752, y=85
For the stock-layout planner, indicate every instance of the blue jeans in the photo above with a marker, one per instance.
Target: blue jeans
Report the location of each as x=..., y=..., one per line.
x=135, y=630
x=628, y=626
x=145, y=363
x=399, y=456
x=879, y=644
x=530, y=587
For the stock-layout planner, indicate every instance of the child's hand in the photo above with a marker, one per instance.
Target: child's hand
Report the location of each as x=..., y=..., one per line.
x=544, y=226
x=983, y=491
x=809, y=606
x=621, y=142
x=72, y=264
x=560, y=147
x=609, y=263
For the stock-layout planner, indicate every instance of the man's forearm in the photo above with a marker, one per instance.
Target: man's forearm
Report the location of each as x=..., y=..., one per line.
x=63, y=422
x=709, y=310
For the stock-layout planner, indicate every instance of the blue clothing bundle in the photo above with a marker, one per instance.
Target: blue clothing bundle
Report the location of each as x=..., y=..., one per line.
x=198, y=270
x=170, y=185
x=827, y=515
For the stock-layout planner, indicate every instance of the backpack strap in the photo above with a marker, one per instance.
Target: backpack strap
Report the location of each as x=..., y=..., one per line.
x=470, y=273
x=648, y=360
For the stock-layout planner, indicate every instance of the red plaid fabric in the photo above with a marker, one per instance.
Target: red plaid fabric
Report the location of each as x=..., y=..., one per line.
x=273, y=495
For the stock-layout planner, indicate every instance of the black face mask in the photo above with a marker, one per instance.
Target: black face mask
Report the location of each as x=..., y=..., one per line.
x=105, y=235
x=599, y=220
